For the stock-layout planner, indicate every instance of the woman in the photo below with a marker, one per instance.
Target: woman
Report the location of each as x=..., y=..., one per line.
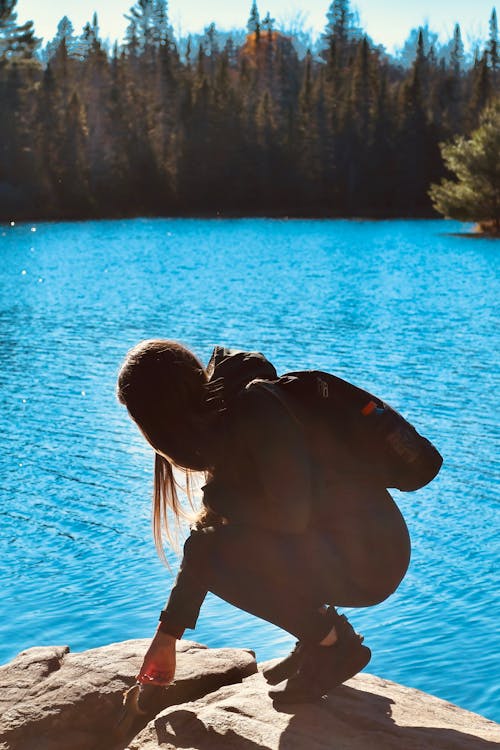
x=284, y=532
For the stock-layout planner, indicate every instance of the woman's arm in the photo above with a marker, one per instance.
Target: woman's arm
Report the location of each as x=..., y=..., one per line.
x=158, y=667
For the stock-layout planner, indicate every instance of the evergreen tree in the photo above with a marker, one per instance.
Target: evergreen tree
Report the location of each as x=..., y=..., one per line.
x=65, y=31
x=382, y=177
x=132, y=38
x=120, y=196
x=141, y=19
x=446, y=90
x=492, y=47
x=16, y=41
x=62, y=137
x=422, y=37
x=149, y=27
x=481, y=90
x=162, y=33
x=457, y=52
x=267, y=23
x=309, y=167
x=340, y=37
x=17, y=159
x=253, y=23
x=231, y=52
x=363, y=91
x=76, y=197
x=413, y=142
x=94, y=90
x=475, y=193
x=212, y=47
x=89, y=41
x=239, y=123
x=340, y=22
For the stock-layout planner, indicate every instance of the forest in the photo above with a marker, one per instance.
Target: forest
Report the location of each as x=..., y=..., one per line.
x=229, y=125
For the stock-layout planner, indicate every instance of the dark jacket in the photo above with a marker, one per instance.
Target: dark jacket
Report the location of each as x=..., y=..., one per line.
x=262, y=477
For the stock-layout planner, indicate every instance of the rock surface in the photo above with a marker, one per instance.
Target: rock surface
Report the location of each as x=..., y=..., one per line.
x=365, y=713
x=51, y=699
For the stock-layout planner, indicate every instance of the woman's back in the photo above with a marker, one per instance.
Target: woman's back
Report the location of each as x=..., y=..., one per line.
x=284, y=468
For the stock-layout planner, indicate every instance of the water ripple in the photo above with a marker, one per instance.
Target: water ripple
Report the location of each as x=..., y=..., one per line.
x=400, y=308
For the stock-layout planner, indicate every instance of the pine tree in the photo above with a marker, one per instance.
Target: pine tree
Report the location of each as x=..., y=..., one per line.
x=212, y=47
x=62, y=137
x=89, y=42
x=481, y=90
x=120, y=198
x=65, y=31
x=446, y=87
x=64, y=71
x=413, y=149
x=382, y=180
x=253, y=23
x=94, y=89
x=475, y=193
x=457, y=52
x=76, y=198
x=149, y=27
x=16, y=41
x=362, y=91
x=143, y=131
x=14, y=143
x=423, y=36
x=132, y=46
x=492, y=47
x=340, y=21
x=19, y=78
x=265, y=126
x=268, y=23
x=162, y=33
x=309, y=163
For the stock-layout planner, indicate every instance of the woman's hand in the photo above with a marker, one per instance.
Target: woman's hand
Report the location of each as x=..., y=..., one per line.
x=158, y=667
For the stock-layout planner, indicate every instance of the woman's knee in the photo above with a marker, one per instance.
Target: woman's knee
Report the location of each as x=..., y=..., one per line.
x=377, y=592
x=371, y=598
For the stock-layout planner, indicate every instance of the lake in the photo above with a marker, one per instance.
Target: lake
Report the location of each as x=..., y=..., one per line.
x=406, y=309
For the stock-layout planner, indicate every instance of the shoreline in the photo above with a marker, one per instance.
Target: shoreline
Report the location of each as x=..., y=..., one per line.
x=263, y=213
x=475, y=231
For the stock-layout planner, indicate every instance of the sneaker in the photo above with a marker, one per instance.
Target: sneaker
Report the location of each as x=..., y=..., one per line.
x=323, y=668
x=288, y=666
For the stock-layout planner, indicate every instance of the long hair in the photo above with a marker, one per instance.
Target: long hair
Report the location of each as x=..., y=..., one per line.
x=168, y=512
x=162, y=384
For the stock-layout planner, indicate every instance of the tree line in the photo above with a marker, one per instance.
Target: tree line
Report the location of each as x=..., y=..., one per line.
x=160, y=126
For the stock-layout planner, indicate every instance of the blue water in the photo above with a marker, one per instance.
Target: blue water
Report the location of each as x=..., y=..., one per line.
x=405, y=309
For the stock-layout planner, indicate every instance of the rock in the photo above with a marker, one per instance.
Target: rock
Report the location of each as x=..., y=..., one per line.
x=52, y=699
x=366, y=712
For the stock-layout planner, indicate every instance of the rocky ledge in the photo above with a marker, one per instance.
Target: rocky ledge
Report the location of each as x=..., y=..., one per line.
x=51, y=699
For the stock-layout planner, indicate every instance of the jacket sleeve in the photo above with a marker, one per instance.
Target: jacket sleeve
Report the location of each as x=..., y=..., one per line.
x=186, y=597
x=272, y=483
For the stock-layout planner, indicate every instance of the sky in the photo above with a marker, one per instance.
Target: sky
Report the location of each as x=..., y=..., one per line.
x=387, y=22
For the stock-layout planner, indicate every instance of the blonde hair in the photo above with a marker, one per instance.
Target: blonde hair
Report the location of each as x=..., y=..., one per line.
x=168, y=510
x=162, y=384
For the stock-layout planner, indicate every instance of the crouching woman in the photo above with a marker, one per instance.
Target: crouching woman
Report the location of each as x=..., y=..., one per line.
x=288, y=530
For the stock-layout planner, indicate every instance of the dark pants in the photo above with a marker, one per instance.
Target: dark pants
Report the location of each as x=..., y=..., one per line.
x=282, y=578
